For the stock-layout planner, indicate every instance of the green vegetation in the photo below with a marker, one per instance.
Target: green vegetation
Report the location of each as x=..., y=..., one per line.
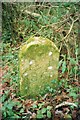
x=58, y=22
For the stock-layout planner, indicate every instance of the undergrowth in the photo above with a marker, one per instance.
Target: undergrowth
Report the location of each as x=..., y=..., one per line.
x=57, y=22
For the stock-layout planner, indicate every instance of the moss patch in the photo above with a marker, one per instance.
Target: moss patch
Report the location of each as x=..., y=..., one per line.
x=38, y=65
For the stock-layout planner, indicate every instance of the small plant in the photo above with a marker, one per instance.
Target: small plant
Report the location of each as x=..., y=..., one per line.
x=42, y=111
x=7, y=109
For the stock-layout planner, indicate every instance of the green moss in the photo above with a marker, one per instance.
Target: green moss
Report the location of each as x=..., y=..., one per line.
x=37, y=67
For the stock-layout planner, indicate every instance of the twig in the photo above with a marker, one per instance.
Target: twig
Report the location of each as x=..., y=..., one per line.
x=67, y=17
x=73, y=21
x=32, y=14
x=65, y=104
x=68, y=32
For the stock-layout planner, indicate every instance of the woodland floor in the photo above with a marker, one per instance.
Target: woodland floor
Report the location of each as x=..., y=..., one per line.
x=60, y=103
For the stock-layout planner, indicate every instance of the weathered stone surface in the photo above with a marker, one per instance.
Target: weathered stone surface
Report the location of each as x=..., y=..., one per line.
x=38, y=65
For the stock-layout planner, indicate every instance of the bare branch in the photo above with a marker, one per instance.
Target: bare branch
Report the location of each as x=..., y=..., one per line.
x=73, y=21
x=65, y=104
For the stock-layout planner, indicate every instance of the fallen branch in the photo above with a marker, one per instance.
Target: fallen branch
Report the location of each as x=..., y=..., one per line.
x=32, y=14
x=65, y=104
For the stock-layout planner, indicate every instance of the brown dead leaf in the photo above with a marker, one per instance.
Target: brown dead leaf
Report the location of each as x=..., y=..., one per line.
x=3, y=70
x=28, y=103
x=76, y=83
x=58, y=98
x=70, y=99
x=4, y=85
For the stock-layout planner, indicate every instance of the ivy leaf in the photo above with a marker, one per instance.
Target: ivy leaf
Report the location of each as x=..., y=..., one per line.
x=73, y=94
x=39, y=114
x=34, y=106
x=22, y=110
x=44, y=110
x=40, y=105
x=60, y=62
x=48, y=114
x=63, y=66
x=49, y=107
x=72, y=61
x=9, y=106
